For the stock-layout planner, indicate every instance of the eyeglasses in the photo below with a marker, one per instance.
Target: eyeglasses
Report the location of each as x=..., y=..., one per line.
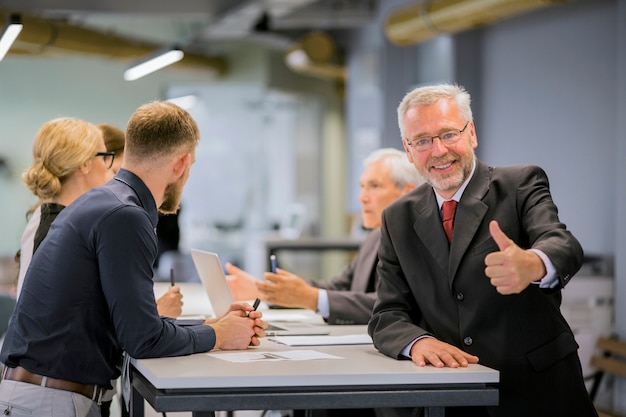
x=107, y=157
x=449, y=137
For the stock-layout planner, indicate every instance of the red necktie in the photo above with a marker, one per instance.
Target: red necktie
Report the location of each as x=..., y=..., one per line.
x=448, y=209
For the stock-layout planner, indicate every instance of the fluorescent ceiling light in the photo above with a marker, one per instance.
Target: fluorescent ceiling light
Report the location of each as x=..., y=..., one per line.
x=184, y=102
x=10, y=34
x=153, y=63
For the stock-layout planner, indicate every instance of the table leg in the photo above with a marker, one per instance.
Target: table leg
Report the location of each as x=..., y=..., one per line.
x=136, y=403
x=434, y=412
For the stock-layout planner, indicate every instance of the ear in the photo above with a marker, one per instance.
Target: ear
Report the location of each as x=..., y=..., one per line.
x=181, y=164
x=85, y=167
x=407, y=149
x=473, y=138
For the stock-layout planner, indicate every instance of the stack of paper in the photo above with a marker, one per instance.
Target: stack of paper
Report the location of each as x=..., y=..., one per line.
x=350, y=339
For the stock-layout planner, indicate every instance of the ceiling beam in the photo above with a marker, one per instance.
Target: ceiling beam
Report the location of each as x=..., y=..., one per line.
x=43, y=37
x=198, y=8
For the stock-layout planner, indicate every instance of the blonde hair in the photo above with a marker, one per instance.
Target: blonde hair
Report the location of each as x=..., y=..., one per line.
x=60, y=147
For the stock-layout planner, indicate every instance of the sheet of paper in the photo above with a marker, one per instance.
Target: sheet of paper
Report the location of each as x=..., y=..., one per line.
x=349, y=339
x=297, y=316
x=253, y=356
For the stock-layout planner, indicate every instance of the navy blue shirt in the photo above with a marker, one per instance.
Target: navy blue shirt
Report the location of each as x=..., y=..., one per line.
x=88, y=293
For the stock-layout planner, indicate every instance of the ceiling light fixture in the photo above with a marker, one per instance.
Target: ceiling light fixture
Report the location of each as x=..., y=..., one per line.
x=315, y=54
x=297, y=58
x=10, y=34
x=155, y=62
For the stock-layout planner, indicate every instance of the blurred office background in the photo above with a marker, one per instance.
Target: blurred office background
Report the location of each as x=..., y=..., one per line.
x=281, y=148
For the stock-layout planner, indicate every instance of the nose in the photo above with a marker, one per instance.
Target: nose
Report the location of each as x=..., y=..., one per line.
x=363, y=195
x=438, y=147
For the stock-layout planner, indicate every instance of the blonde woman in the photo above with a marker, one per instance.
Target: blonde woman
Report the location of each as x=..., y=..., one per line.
x=69, y=158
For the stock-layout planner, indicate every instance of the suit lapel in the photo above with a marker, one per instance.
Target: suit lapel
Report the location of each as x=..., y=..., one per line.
x=368, y=258
x=469, y=216
x=429, y=229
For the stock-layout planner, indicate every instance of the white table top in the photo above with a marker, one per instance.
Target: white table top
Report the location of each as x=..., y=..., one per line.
x=359, y=365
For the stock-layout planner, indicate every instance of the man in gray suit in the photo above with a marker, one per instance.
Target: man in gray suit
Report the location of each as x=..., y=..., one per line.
x=490, y=291
x=349, y=297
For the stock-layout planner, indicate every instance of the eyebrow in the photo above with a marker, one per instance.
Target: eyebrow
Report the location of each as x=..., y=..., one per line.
x=443, y=129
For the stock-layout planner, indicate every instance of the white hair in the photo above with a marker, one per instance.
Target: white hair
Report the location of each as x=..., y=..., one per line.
x=430, y=94
x=403, y=172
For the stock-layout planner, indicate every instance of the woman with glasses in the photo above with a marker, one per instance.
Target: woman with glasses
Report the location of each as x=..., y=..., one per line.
x=114, y=140
x=69, y=158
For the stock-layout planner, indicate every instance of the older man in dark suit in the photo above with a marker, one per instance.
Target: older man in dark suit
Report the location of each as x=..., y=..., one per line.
x=491, y=290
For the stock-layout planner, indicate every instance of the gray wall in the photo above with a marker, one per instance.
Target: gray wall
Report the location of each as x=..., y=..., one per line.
x=551, y=93
x=620, y=186
x=548, y=99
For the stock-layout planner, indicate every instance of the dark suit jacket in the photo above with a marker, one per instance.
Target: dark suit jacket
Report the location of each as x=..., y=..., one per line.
x=348, y=296
x=426, y=288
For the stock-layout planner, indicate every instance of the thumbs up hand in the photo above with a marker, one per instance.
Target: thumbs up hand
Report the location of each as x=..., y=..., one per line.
x=512, y=268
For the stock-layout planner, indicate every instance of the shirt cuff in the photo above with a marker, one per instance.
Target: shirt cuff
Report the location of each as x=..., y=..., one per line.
x=323, y=306
x=204, y=338
x=406, y=352
x=550, y=279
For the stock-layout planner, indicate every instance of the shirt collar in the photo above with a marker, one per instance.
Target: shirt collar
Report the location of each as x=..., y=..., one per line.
x=143, y=193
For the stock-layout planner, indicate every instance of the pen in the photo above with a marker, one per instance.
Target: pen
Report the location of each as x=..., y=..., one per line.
x=256, y=304
x=172, y=277
x=273, y=263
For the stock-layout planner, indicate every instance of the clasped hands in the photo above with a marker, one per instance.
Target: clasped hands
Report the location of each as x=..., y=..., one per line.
x=240, y=327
